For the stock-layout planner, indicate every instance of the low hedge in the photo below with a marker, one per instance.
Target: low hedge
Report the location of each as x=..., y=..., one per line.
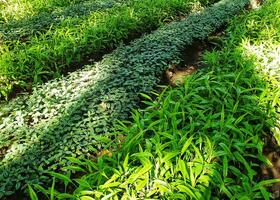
x=49, y=54
x=73, y=116
x=25, y=28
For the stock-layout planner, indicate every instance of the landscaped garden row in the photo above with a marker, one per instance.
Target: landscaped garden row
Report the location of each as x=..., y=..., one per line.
x=205, y=139
x=73, y=116
x=22, y=30
x=60, y=50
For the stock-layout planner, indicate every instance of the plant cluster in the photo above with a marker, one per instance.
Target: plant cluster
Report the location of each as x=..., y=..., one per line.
x=49, y=54
x=202, y=140
x=73, y=116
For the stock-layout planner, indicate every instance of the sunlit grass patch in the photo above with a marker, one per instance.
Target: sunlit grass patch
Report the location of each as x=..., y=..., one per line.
x=18, y=9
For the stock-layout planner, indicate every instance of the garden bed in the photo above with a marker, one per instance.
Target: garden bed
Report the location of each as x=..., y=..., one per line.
x=206, y=139
x=72, y=116
x=51, y=53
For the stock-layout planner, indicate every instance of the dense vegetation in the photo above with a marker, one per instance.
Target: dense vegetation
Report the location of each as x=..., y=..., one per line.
x=25, y=28
x=203, y=140
x=108, y=131
x=73, y=116
x=18, y=9
x=33, y=59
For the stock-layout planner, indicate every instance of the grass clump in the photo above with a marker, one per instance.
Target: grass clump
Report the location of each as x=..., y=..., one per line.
x=72, y=116
x=203, y=140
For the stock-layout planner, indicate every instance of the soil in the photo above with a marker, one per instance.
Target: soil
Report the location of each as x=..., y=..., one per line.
x=254, y=4
x=3, y=152
x=191, y=60
x=271, y=151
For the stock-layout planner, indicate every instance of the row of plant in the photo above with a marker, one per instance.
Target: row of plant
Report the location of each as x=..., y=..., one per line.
x=49, y=54
x=202, y=140
x=73, y=116
x=12, y=10
x=22, y=30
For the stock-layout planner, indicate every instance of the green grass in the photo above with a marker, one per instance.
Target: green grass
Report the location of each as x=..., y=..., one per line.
x=74, y=115
x=203, y=140
x=76, y=40
x=18, y=9
x=24, y=29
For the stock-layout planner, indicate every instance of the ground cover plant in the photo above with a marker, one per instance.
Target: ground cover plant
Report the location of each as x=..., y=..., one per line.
x=72, y=116
x=203, y=140
x=76, y=40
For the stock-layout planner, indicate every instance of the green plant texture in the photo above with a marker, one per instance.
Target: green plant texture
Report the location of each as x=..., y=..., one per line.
x=18, y=9
x=202, y=140
x=73, y=116
x=75, y=40
x=25, y=28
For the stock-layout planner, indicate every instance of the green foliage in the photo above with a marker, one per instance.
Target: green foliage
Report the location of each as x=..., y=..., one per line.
x=202, y=140
x=17, y=9
x=72, y=116
x=25, y=28
x=49, y=54
x=192, y=142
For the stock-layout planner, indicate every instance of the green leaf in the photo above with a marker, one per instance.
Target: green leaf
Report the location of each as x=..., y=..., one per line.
x=125, y=162
x=183, y=169
x=86, y=198
x=32, y=193
x=186, y=145
x=73, y=168
x=41, y=189
x=267, y=182
x=75, y=160
x=225, y=166
x=62, y=177
x=185, y=189
x=52, y=191
x=169, y=156
x=146, y=96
